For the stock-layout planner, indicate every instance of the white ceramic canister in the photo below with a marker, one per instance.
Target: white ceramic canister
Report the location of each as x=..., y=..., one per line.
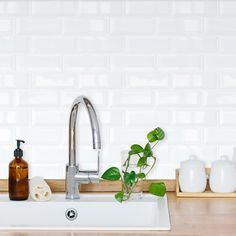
x=192, y=175
x=223, y=176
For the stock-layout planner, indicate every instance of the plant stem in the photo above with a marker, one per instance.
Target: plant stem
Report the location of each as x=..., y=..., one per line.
x=154, y=162
x=132, y=188
x=129, y=190
x=127, y=165
x=154, y=144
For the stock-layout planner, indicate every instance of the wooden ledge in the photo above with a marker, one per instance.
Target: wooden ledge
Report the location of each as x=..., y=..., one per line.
x=58, y=185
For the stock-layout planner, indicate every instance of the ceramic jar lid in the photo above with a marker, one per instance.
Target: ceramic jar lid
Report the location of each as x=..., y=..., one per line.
x=192, y=162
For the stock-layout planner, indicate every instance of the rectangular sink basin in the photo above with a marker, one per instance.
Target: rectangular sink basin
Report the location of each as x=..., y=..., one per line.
x=90, y=212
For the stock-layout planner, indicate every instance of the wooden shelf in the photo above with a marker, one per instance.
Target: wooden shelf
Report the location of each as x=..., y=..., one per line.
x=58, y=185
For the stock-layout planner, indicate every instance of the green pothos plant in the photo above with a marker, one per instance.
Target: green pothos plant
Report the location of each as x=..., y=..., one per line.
x=145, y=157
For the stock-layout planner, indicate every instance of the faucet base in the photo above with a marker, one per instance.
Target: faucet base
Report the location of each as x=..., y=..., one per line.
x=72, y=186
x=72, y=197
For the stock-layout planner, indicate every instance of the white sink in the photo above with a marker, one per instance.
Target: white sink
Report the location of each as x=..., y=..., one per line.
x=94, y=212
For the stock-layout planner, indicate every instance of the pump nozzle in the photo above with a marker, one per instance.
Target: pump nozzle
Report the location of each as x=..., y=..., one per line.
x=18, y=142
x=18, y=152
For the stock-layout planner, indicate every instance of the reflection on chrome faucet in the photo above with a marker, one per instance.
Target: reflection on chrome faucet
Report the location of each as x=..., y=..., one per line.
x=74, y=176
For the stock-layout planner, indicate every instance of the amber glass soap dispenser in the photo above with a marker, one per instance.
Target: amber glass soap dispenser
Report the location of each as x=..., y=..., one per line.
x=18, y=183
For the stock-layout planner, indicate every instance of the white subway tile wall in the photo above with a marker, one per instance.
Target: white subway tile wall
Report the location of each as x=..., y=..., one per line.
x=167, y=63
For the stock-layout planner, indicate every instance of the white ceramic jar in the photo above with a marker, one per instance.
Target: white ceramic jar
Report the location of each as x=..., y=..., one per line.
x=192, y=176
x=223, y=176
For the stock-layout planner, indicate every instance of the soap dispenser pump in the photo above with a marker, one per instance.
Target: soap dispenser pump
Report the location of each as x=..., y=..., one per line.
x=18, y=183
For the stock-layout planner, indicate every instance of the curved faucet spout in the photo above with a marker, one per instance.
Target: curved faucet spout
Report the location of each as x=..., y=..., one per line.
x=73, y=175
x=81, y=100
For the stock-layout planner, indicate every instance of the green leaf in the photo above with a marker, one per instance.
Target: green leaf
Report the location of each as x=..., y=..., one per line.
x=142, y=161
x=141, y=175
x=148, y=150
x=112, y=174
x=131, y=153
x=158, y=189
x=126, y=177
x=159, y=133
x=132, y=177
x=129, y=178
x=119, y=196
x=136, y=148
x=156, y=134
x=151, y=136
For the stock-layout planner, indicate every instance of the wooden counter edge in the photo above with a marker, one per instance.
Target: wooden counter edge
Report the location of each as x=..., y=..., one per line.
x=58, y=185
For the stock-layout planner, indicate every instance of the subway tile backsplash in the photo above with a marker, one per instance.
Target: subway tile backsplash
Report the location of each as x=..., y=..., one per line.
x=166, y=63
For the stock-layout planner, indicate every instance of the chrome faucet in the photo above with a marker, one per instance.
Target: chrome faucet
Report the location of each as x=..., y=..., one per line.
x=74, y=176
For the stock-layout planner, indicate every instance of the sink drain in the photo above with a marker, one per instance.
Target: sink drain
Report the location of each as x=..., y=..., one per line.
x=71, y=214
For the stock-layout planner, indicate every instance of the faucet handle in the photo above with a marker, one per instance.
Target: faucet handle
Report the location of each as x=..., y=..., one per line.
x=93, y=177
x=87, y=177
